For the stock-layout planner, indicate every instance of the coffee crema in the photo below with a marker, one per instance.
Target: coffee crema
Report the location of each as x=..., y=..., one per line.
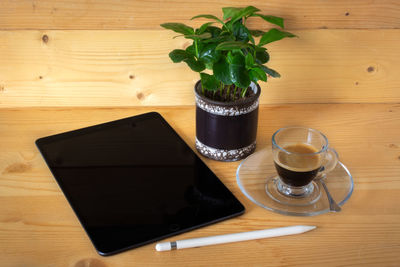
x=300, y=166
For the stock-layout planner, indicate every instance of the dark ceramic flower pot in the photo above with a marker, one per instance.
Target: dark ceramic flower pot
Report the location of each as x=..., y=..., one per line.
x=226, y=131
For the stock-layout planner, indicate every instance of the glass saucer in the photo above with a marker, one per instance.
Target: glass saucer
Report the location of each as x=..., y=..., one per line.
x=257, y=172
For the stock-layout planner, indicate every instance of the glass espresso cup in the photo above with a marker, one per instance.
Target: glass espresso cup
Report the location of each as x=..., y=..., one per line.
x=300, y=156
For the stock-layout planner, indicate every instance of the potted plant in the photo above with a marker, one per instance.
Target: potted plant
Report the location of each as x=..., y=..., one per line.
x=230, y=61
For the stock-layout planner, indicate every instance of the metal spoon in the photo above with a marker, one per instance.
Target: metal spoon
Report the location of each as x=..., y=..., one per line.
x=333, y=206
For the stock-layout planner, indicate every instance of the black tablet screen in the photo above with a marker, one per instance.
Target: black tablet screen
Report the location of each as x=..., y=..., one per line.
x=135, y=181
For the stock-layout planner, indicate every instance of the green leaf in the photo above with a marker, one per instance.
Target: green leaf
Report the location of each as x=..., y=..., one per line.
x=247, y=11
x=178, y=55
x=207, y=16
x=237, y=71
x=194, y=64
x=262, y=56
x=236, y=13
x=208, y=54
x=230, y=45
x=257, y=74
x=209, y=65
x=229, y=57
x=209, y=82
x=203, y=28
x=249, y=60
x=238, y=59
x=269, y=71
x=241, y=33
x=192, y=50
x=178, y=27
x=215, y=31
x=221, y=71
x=205, y=35
x=271, y=19
x=219, y=39
x=253, y=76
x=230, y=11
x=256, y=33
x=274, y=35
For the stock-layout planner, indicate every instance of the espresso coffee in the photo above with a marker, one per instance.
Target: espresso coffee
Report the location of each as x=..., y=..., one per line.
x=300, y=166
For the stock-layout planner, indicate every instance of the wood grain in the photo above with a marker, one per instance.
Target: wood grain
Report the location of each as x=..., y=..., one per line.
x=38, y=228
x=149, y=14
x=132, y=68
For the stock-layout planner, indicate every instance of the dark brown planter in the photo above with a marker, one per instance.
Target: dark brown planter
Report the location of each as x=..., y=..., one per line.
x=226, y=131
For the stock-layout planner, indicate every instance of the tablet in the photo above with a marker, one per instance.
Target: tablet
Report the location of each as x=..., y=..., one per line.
x=134, y=181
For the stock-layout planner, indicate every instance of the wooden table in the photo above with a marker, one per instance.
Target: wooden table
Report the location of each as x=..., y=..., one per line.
x=38, y=227
x=72, y=63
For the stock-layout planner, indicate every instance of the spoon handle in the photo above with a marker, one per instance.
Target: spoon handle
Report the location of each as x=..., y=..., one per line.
x=333, y=206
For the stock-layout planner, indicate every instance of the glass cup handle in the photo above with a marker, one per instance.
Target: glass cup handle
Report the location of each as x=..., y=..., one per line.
x=330, y=161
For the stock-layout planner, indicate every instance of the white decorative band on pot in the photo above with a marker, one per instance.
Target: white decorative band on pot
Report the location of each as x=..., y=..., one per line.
x=217, y=109
x=224, y=154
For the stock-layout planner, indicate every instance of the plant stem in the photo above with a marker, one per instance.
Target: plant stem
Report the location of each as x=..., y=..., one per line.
x=234, y=92
x=228, y=92
x=244, y=92
x=196, y=48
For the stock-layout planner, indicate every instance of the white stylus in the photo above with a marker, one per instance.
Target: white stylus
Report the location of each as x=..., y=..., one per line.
x=229, y=238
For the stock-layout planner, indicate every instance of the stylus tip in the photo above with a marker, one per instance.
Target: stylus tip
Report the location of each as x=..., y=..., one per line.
x=163, y=246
